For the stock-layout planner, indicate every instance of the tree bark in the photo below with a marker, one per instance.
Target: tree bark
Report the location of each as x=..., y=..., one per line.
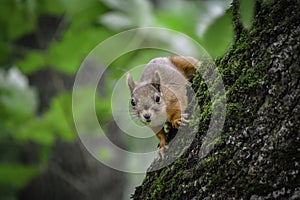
x=257, y=155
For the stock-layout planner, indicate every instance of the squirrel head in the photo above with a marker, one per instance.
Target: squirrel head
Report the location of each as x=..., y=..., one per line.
x=147, y=101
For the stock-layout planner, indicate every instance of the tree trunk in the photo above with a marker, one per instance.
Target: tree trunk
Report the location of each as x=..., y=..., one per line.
x=257, y=155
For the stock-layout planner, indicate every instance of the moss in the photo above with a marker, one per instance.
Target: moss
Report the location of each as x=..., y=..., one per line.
x=205, y=112
x=256, y=154
x=234, y=109
x=209, y=161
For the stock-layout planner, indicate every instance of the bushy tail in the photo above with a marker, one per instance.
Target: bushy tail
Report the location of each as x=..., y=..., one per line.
x=186, y=65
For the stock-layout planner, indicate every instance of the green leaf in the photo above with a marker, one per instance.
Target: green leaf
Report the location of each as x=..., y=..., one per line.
x=56, y=123
x=59, y=117
x=16, y=175
x=37, y=130
x=183, y=20
x=54, y=7
x=247, y=12
x=67, y=54
x=17, y=18
x=219, y=35
x=32, y=62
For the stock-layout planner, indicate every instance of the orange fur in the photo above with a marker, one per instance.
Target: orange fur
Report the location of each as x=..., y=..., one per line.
x=186, y=65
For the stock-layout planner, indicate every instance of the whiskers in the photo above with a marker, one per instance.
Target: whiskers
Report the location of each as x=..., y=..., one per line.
x=134, y=116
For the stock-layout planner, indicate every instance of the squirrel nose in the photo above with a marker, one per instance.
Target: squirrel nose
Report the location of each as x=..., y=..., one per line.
x=147, y=116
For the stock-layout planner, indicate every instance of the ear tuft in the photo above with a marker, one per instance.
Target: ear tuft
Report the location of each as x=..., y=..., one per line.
x=156, y=80
x=130, y=82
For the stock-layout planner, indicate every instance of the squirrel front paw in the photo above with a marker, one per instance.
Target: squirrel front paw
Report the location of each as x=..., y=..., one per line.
x=161, y=152
x=182, y=121
x=162, y=144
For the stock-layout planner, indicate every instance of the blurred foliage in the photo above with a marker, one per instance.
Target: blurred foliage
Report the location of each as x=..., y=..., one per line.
x=20, y=126
x=247, y=12
x=218, y=36
x=58, y=34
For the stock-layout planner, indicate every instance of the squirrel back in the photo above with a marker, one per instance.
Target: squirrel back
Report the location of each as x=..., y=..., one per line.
x=186, y=66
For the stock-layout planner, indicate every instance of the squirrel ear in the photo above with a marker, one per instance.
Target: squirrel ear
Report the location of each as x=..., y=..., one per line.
x=156, y=80
x=130, y=82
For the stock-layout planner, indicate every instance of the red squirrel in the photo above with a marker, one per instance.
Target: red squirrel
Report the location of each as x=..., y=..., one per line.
x=160, y=96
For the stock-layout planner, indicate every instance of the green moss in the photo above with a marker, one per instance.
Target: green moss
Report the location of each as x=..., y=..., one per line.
x=209, y=161
x=205, y=112
x=232, y=169
x=234, y=109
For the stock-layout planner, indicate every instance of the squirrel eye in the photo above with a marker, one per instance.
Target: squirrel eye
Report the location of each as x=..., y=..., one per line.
x=132, y=101
x=157, y=98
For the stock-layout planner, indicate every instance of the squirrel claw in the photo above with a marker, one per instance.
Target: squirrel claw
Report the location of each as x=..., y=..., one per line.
x=184, y=115
x=161, y=152
x=182, y=121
